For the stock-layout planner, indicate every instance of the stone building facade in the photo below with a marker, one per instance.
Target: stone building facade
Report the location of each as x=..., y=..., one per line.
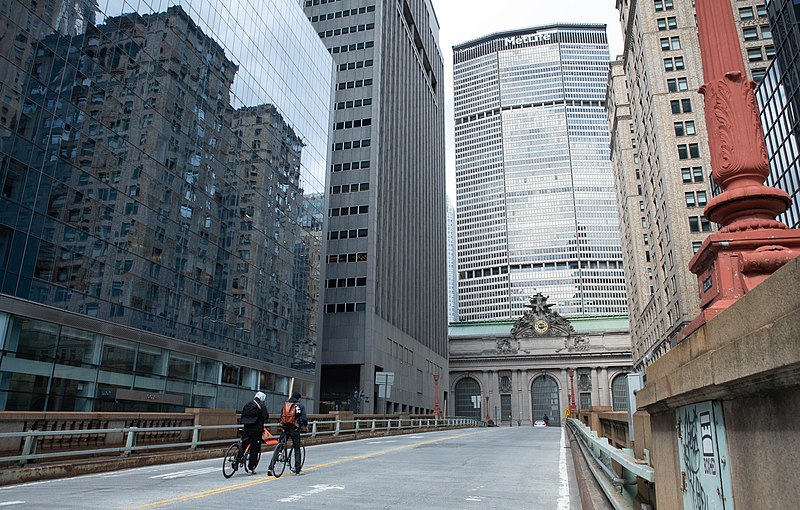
x=518, y=372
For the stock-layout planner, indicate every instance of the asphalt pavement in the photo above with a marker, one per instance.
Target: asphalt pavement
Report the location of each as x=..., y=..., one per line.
x=503, y=468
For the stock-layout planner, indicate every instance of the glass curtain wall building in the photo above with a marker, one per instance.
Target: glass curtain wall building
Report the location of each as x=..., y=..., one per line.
x=385, y=304
x=535, y=199
x=160, y=168
x=779, y=100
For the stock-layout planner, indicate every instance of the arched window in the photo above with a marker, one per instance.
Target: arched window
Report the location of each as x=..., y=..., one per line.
x=544, y=400
x=466, y=389
x=619, y=392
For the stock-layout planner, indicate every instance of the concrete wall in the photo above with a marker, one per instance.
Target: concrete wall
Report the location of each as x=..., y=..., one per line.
x=748, y=358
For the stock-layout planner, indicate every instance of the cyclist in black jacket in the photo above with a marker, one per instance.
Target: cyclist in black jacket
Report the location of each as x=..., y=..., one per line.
x=294, y=433
x=254, y=414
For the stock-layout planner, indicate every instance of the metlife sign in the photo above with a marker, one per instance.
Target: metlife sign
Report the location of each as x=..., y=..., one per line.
x=528, y=38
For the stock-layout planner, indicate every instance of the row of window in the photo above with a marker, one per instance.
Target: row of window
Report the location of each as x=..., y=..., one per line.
x=309, y=3
x=347, y=234
x=354, y=84
x=355, y=103
x=663, y=5
x=353, y=123
x=688, y=151
x=332, y=283
x=346, y=30
x=345, y=307
x=669, y=23
x=347, y=257
x=352, y=47
x=746, y=13
x=354, y=165
x=348, y=211
x=695, y=198
x=355, y=65
x=340, y=14
x=699, y=224
x=349, y=188
x=355, y=144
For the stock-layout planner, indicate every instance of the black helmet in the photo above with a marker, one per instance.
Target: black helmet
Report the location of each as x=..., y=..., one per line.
x=296, y=395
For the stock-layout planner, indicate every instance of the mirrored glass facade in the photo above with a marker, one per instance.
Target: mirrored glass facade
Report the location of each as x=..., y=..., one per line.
x=161, y=168
x=779, y=101
x=535, y=196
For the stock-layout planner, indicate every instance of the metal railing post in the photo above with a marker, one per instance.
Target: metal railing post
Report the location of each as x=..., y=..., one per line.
x=130, y=441
x=338, y=427
x=373, y=425
x=399, y=424
x=28, y=448
x=388, y=425
x=358, y=426
x=313, y=429
x=195, y=437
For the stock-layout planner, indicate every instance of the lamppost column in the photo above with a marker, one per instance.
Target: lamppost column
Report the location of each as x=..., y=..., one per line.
x=436, y=398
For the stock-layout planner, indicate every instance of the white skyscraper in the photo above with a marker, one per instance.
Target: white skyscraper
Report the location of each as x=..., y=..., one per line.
x=534, y=189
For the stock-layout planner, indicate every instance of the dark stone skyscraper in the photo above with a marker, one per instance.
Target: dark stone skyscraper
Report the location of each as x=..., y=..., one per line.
x=385, y=298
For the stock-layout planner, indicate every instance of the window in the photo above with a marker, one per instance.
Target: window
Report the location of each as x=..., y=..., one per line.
x=690, y=130
x=669, y=65
x=694, y=224
x=701, y=198
x=754, y=54
x=705, y=224
x=663, y=5
x=675, y=105
x=762, y=10
x=672, y=85
x=696, y=246
x=766, y=32
x=689, y=198
x=686, y=105
x=750, y=33
x=679, y=131
x=687, y=151
x=665, y=43
x=746, y=13
x=683, y=84
x=675, y=43
x=769, y=51
x=698, y=173
x=679, y=64
x=686, y=174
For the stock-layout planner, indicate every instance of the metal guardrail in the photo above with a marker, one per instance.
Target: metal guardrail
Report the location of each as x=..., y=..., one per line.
x=620, y=490
x=29, y=454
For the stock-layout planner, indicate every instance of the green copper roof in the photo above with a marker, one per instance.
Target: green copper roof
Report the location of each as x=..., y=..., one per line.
x=591, y=324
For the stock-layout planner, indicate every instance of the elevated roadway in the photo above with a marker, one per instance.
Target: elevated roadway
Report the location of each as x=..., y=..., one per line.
x=508, y=468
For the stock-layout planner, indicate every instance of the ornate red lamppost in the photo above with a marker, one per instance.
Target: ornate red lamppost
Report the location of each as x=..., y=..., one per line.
x=487, y=419
x=751, y=244
x=436, y=399
x=572, y=407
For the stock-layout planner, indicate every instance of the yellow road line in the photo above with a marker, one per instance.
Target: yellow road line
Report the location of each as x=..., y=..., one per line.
x=244, y=485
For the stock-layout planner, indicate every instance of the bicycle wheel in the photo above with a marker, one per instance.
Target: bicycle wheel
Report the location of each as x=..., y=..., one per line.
x=292, y=466
x=280, y=460
x=229, y=464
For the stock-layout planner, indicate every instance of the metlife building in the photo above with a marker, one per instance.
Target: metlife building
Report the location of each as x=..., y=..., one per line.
x=536, y=209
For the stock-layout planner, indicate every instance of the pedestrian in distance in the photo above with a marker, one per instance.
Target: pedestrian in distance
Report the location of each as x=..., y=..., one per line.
x=254, y=414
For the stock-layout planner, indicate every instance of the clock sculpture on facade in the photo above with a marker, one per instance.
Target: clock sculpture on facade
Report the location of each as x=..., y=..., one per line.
x=541, y=326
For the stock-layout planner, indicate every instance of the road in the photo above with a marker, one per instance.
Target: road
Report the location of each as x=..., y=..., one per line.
x=508, y=468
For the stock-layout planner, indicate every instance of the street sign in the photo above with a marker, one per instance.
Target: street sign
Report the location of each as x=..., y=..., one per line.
x=384, y=391
x=384, y=378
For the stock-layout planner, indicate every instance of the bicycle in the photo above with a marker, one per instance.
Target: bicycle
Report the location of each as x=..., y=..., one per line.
x=229, y=463
x=284, y=456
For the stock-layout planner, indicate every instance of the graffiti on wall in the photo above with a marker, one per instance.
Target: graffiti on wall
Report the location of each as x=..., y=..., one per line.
x=699, y=450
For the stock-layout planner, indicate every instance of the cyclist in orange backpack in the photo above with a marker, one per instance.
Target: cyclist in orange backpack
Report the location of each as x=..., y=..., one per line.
x=293, y=421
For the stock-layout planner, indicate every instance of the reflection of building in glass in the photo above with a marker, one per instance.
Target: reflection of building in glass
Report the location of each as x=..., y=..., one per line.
x=384, y=302
x=535, y=199
x=659, y=152
x=143, y=213
x=779, y=98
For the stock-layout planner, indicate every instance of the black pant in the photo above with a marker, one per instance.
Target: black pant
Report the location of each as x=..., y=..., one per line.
x=251, y=436
x=294, y=433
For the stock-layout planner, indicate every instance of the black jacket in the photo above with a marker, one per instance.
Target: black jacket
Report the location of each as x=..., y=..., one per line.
x=254, y=414
x=302, y=420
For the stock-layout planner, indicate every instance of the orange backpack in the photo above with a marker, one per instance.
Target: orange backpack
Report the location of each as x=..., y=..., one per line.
x=289, y=414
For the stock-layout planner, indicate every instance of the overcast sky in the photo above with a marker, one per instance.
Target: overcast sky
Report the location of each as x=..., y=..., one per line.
x=464, y=20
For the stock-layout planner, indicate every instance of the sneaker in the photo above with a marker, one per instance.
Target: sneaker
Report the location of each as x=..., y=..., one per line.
x=269, y=472
x=298, y=472
x=252, y=471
